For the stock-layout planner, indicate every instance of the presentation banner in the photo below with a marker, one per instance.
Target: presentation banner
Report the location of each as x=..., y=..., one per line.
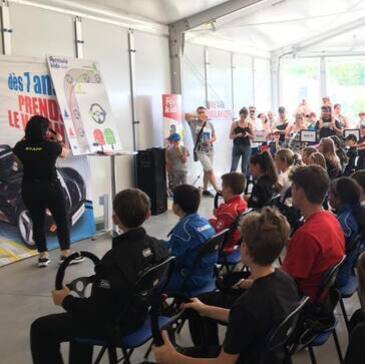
x=83, y=100
x=172, y=115
x=26, y=89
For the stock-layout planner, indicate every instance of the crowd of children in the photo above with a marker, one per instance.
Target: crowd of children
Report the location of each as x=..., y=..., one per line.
x=325, y=186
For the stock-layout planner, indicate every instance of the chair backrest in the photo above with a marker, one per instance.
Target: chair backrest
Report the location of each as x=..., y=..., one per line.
x=328, y=281
x=274, y=200
x=211, y=247
x=355, y=244
x=152, y=280
x=312, y=321
x=283, y=333
x=234, y=226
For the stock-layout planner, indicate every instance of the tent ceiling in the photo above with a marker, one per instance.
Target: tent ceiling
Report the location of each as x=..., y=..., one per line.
x=284, y=22
x=160, y=11
x=269, y=26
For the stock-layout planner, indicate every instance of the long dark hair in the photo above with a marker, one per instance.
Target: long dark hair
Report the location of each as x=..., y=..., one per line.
x=36, y=129
x=266, y=163
x=349, y=192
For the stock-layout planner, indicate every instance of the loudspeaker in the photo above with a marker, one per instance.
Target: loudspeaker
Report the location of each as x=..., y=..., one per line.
x=151, y=177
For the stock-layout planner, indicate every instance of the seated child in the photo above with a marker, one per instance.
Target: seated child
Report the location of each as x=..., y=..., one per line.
x=359, y=177
x=189, y=234
x=263, y=171
x=344, y=198
x=132, y=252
x=176, y=161
x=285, y=160
x=306, y=153
x=233, y=185
x=270, y=297
x=351, y=142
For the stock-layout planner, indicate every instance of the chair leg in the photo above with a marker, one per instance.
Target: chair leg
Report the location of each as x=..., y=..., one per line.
x=180, y=326
x=112, y=353
x=126, y=356
x=345, y=317
x=338, y=347
x=148, y=352
x=311, y=355
x=100, y=355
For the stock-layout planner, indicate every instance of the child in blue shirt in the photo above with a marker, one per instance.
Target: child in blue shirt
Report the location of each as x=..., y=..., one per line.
x=344, y=198
x=189, y=234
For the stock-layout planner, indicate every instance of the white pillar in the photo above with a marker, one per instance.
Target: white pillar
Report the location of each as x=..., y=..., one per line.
x=5, y=27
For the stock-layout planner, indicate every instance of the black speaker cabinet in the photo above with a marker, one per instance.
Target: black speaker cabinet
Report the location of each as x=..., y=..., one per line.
x=151, y=177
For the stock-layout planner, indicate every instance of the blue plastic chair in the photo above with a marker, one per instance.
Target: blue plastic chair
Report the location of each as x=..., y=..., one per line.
x=211, y=248
x=229, y=261
x=351, y=286
x=322, y=338
x=147, y=287
x=327, y=293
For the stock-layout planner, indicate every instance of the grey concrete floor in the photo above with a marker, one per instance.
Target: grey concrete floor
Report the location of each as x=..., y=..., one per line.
x=25, y=296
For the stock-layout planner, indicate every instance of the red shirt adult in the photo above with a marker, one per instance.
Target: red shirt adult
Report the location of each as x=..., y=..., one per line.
x=225, y=215
x=314, y=248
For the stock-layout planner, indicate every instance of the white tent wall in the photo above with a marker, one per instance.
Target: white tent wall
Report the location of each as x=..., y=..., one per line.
x=193, y=95
x=37, y=32
x=152, y=80
x=220, y=90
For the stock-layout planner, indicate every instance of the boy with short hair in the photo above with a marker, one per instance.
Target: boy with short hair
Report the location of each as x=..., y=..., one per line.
x=351, y=142
x=189, y=234
x=319, y=244
x=176, y=161
x=233, y=185
x=132, y=252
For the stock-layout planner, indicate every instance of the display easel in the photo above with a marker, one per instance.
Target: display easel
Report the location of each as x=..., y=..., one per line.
x=113, y=184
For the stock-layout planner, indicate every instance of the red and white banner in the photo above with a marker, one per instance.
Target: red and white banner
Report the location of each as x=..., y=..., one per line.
x=172, y=115
x=26, y=89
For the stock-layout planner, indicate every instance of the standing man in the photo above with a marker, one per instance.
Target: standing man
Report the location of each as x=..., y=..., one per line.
x=327, y=124
x=257, y=125
x=203, y=133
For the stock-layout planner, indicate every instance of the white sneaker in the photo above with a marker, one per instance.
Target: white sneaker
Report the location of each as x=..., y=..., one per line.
x=43, y=262
x=76, y=260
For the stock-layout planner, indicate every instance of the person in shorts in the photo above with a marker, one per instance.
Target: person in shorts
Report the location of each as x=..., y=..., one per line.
x=204, y=136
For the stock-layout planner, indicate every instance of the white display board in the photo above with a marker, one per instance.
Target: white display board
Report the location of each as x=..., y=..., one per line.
x=84, y=105
x=308, y=136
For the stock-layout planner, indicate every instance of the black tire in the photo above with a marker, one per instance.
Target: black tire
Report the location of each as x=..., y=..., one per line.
x=25, y=228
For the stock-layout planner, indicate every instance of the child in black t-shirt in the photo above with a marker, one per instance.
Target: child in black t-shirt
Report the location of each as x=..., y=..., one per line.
x=350, y=142
x=270, y=296
x=263, y=171
x=111, y=303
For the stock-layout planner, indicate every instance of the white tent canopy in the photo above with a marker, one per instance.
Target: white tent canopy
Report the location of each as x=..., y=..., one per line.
x=271, y=25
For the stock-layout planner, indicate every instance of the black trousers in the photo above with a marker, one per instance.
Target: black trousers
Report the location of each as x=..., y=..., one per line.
x=203, y=330
x=37, y=197
x=48, y=332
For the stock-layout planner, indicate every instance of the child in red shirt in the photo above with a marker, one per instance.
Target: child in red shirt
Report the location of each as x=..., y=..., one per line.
x=233, y=185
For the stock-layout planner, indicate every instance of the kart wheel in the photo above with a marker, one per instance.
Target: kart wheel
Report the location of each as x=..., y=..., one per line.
x=25, y=227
